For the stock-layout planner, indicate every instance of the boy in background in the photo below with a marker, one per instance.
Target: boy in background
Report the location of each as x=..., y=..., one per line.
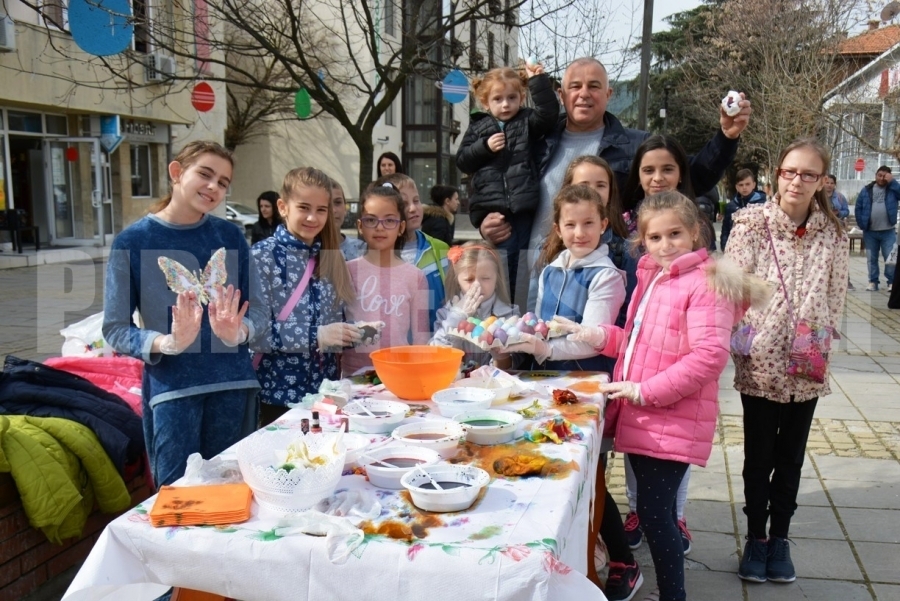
x=747, y=194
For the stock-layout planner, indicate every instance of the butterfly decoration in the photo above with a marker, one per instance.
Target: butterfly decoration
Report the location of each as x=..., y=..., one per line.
x=204, y=284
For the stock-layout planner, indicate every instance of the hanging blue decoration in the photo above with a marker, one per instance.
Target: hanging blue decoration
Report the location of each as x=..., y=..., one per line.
x=101, y=27
x=455, y=87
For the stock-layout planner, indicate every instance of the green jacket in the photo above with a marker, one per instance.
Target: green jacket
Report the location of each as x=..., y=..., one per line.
x=60, y=470
x=431, y=258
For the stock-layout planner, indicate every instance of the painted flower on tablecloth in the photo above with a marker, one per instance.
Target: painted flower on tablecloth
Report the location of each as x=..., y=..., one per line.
x=414, y=550
x=551, y=564
x=516, y=552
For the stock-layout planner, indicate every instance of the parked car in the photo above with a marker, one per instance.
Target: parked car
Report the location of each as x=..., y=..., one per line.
x=241, y=215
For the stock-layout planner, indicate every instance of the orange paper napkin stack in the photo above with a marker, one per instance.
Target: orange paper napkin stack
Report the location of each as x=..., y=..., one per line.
x=201, y=505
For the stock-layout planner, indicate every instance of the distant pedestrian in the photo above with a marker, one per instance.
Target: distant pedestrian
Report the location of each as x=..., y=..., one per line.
x=388, y=163
x=351, y=248
x=268, y=220
x=840, y=205
x=876, y=216
x=439, y=219
x=746, y=194
x=796, y=241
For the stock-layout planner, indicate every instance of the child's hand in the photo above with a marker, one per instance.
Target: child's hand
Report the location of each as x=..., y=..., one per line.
x=630, y=391
x=497, y=142
x=225, y=320
x=470, y=301
x=187, y=314
x=532, y=70
x=338, y=334
x=595, y=336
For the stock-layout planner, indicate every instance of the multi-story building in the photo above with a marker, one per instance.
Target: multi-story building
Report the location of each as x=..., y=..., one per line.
x=56, y=102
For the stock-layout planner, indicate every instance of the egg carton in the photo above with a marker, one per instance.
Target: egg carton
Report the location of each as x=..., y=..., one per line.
x=487, y=337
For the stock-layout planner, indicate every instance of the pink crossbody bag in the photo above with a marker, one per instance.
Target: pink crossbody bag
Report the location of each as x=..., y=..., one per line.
x=292, y=302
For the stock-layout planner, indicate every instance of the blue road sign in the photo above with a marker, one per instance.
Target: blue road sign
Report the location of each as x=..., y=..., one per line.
x=101, y=27
x=455, y=87
x=110, y=132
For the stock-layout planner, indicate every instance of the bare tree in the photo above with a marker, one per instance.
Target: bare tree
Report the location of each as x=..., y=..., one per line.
x=352, y=57
x=780, y=53
x=570, y=29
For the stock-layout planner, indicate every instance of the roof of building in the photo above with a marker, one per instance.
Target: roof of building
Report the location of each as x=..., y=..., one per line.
x=872, y=41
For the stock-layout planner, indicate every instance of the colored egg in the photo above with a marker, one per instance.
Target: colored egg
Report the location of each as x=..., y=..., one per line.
x=477, y=331
x=489, y=320
x=526, y=329
x=511, y=320
x=529, y=316
x=532, y=322
x=513, y=336
x=493, y=327
x=542, y=329
x=500, y=334
x=486, y=338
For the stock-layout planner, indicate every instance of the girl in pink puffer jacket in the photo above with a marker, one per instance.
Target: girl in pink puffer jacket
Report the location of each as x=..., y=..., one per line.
x=670, y=354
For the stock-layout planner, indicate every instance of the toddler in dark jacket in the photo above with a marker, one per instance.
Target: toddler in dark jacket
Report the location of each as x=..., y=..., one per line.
x=497, y=148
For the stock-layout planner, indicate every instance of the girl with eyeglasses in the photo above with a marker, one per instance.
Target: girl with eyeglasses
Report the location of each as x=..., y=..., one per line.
x=795, y=242
x=387, y=288
x=305, y=287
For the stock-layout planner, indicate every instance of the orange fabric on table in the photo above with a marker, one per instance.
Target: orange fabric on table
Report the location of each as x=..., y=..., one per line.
x=201, y=505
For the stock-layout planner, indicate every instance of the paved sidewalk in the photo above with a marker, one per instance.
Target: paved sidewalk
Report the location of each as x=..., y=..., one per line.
x=846, y=532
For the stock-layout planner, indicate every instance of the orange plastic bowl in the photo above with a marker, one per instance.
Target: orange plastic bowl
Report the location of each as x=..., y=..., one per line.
x=416, y=372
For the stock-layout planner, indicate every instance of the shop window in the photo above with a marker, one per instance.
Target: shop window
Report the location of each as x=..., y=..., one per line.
x=56, y=124
x=55, y=13
x=141, y=173
x=389, y=17
x=27, y=122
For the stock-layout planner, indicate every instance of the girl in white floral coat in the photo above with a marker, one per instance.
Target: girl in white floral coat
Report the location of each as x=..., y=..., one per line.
x=808, y=274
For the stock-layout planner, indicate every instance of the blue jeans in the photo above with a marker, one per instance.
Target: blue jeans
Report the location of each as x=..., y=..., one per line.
x=882, y=242
x=206, y=424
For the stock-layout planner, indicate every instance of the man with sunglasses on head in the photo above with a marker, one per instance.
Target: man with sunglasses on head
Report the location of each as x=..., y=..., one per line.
x=876, y=216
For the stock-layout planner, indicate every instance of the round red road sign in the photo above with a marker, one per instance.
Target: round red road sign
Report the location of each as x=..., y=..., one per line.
x=203, y=97
x=859, y=165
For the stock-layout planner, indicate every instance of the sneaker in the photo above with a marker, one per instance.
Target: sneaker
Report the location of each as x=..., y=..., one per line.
x=779, y=567
x=623, y=581
x=653, y=596
x=872, y=287
x=753, y=563
x=633, y=533
x=890, y=286
x=850, y=286
x=685, y=535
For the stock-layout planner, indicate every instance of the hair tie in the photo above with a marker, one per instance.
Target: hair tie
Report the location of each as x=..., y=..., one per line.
x=389, y=185
x=455, y=253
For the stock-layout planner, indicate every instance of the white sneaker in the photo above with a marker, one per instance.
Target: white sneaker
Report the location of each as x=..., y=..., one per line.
x=653, y=596
x=872, y=287
x=889, y=287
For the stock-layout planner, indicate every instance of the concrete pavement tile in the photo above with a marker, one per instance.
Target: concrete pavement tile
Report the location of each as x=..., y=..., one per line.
x=815, y=522
x=871, y=525
x=710, y=516
x=811, y=494
x=881, y=414
x=809, y=589
x=837, y=412
x=708, y=486
x=887, y=592
x=713, y=551
x=731, y=407
x=716, y=462
x=841, y=468
x=829, y=559
x=702, y=585
x=864, y=494
x=880, y=561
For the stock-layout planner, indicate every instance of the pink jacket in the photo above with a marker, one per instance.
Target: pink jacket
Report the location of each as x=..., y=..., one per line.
x=680, y=352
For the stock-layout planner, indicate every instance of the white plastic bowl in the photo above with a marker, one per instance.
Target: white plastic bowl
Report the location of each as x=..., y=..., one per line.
x=450, y=499
x=451, y=401
x=500, y=388
x=287, y=491
x=387, y=415
x=389, y=477
x=356, y=443
x=440, y=436
x=502, y=430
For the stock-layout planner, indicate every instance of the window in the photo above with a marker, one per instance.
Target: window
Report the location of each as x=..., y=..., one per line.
x=141, y=174
x=56, y=124
x=55, y=13
x=141, y=11
x=389, y=114
x=389, y=17
x=27, y=122
x=201, y=35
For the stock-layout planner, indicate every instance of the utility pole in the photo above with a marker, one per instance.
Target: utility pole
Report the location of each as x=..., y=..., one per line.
x=644, y=91
x=664, y=111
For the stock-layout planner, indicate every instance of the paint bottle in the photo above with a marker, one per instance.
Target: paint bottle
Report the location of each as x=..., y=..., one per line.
x=304, y=425
x=314, y=426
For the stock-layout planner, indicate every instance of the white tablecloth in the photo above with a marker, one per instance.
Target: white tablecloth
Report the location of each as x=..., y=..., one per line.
x=525, y=539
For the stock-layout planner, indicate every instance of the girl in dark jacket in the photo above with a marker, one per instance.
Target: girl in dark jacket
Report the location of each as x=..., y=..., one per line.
x=497, y=151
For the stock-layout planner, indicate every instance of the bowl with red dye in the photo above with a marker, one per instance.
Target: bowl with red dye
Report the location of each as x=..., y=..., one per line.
x=385, y=466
